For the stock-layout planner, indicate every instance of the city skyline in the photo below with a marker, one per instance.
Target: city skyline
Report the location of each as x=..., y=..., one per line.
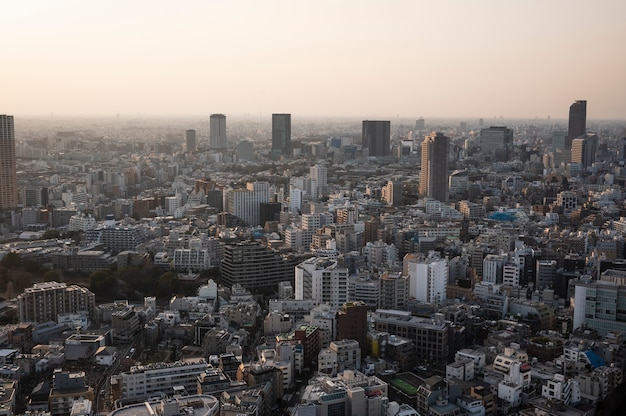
x=352, y=59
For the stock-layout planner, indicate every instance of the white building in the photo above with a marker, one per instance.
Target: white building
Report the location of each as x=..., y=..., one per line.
x=145, y=381
x=322, y=280
x=348, y=354
x=427, y=279
x=560, y=388
x=246, y=203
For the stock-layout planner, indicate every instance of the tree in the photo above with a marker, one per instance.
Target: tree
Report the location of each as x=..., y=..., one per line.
x=11, y=260
x=52, y=276
x=167, y=285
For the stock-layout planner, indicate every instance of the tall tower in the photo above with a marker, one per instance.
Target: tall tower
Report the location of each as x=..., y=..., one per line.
x=434, y=175
x=217, y=133
x=190, y=138
x=577, y=122
x=377, y=137
x=281, y=134
x=319, y=180
x=8, y=176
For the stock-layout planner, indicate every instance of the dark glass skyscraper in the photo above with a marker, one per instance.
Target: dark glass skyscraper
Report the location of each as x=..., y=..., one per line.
x=281, y=134
x=577, y=122
x=377, y=137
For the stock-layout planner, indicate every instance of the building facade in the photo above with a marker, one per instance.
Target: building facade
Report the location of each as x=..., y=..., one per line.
x=376, y=137
x=8, y=173
x=217, y=133
x=434, y=173
x=281, y=134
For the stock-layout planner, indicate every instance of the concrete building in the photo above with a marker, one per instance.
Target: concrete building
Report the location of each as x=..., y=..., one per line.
x=577, y=123
x=45, y=301
x=67, y=388
x=322, y=280
x=281, y=134
x=144, y=381
x=8, y=172
x=246, y=203
x=190, y=140
x=434, y=173
x=217, y=132
x=496, y=143
x=428, y=278
x=429, y=335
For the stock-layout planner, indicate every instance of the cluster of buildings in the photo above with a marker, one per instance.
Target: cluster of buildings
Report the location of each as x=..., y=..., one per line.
x=449, y=270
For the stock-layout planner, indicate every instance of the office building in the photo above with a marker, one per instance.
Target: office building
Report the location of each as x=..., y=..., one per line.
x=496, y=143
x=254, y=266
x=577, y=125
x=394, y=291
x=352, y=322
x=601, y=304
x=144, y=381
x=584, y=150
x=430, y=335
x=376, y=137
x=246, y=203
x=190, y=140
x=8, y=175
x=392, y=193
x=281, y=134
x=319, y=180
x=217, y=132
x=434, y=174
x=46, y=301
x=245, y=150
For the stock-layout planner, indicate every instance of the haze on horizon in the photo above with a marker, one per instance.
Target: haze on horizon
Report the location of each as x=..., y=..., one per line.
x=350, y=58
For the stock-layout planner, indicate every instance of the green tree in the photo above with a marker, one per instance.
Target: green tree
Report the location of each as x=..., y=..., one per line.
x=167, y=285
x=52, y=276
x=11, y=260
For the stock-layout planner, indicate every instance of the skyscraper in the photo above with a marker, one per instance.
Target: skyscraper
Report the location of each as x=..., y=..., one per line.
x=434, y=175
x=377, y=137
x=281, y=134
x=190, y=138
x=496, y=142
x=577, y=122
x=217, y=133
x=584, y=149
x=8, y=176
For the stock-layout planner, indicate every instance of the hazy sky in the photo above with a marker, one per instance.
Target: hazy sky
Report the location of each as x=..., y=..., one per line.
x=346, y=58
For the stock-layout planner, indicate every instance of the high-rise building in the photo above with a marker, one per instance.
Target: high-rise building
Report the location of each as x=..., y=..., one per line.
x=352, y=322
x=246, y=203
x=428, y=279
x=319, y=180
x=584, y=149
x=255, y=266
x=217, y=133
x=323, y=280
x=377, y=137
x=496, y=142
x=577, y=122
x=46, y=301
x=434, y=175
x=8, y=175
x=281, y=134
x=600, y=304
x=190, y=139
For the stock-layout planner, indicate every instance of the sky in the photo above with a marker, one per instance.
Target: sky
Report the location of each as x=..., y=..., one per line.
x=344, y=58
